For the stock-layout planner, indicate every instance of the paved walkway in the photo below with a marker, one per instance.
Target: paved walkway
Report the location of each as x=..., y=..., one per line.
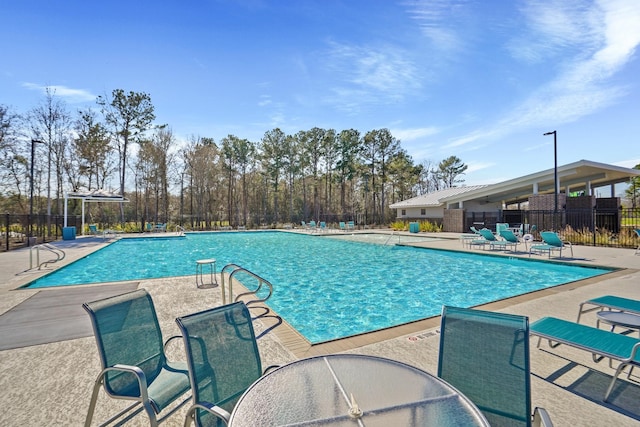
x=50, y=384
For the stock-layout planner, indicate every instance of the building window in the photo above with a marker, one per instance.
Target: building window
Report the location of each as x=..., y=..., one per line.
x=404, y=212
x=423, y=212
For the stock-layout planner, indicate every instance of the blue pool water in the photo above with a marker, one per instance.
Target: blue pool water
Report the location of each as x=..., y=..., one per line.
x=328, y=288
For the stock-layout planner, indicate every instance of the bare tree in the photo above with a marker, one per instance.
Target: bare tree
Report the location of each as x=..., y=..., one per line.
x=130, y=116
x=51, y=123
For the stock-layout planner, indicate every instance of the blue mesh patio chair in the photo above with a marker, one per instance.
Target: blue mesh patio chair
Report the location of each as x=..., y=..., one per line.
x=134, y=364
x=223, y=361
x=637, y=230
x=485, y=355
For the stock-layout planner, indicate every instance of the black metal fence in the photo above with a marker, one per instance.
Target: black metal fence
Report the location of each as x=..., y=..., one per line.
x=17, y=231
x=593, y=227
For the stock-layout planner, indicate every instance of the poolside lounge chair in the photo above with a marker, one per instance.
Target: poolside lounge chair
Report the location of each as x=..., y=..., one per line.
x=466, y=238
x=598, y=342
x=351, y=225
x=343, y=226
x=134, y=365
x=551, y=242
x=223, y=360
x=500, y=226
x=610, y=302
x=510, y=236
x=160, y=227
x=93, y=230
x=493, y=241
x=485, y=355
x=637, y=230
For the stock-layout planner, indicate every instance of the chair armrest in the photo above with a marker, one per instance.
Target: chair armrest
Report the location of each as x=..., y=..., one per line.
x=541, y=418
x=209, y=407
x=169, y=340
x=139, y=374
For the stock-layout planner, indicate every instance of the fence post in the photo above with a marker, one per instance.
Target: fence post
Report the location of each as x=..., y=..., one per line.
x=6, y=230
x=595, y=227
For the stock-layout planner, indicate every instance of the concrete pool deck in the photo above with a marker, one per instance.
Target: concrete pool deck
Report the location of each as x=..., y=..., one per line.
x=50, y=383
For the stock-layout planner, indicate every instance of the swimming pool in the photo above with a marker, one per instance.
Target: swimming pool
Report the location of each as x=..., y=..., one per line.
x=328, y=288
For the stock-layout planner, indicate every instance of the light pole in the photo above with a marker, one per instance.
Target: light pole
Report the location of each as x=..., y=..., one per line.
x=555, y=173
x=33, y=155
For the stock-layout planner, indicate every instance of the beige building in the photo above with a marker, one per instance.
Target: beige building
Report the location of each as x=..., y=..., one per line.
x=459, y=207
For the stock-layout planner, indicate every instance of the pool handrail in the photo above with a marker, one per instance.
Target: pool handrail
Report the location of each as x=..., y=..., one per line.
x=59, y=253
x=261, y=280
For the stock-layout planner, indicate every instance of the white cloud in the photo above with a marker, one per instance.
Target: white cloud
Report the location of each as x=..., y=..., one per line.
x=415, y=133
x=631, y=163
x=368, y=74
x=70, y=95
x=598, y=42
x=264, y=100
x=478, y=166
x=440, y=21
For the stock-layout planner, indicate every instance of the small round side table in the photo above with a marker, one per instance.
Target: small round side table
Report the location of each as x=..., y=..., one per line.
x=211, y=262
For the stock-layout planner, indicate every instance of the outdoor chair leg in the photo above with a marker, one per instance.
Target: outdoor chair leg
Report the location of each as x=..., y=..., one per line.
x=94, y=397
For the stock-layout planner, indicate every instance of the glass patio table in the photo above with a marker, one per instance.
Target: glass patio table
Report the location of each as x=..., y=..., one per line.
x=353, y=390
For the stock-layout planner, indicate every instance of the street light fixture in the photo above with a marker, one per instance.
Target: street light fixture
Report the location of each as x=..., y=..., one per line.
x=555, y=172
x=33, y=154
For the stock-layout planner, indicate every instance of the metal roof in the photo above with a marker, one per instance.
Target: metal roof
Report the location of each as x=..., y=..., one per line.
x=435, y=199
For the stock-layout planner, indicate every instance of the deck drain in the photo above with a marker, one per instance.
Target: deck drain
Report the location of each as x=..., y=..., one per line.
x=422, y=336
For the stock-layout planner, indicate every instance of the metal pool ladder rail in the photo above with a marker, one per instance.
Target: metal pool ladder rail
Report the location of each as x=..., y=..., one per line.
x=232, y=270
x=59, y=253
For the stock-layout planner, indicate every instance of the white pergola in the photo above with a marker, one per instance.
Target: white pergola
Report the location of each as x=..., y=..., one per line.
x=91, y=196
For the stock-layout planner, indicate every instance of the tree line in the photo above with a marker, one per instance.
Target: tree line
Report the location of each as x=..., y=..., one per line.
x=319, y=174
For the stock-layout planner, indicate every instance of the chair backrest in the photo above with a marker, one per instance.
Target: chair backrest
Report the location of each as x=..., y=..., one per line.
x=222, y=355
x=475, y=230
x=637, y=230
x=127, y=332
x=485, y=355
x=93, y=228
x=500, y=226
x=487, y=234
x=509, y=236
x=551, y=238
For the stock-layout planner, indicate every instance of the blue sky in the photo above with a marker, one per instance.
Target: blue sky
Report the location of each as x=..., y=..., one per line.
x=478, y=79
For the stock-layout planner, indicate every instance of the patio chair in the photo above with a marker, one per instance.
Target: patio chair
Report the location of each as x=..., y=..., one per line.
x=551, y=242
x=637, y=230
x=485, y=355
x=134, y=364
x=93, y=230
x=599, y=342
x=223, y=361
x=343, y=226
